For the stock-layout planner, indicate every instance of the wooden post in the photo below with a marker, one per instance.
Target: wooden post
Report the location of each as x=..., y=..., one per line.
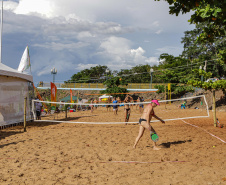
x=165, y=96
x=25, y=107
x=65, y=112
x=77, y=97
x=214, y=109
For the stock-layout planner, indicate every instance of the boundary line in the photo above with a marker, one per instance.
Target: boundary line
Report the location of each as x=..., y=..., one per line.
x=205, y=131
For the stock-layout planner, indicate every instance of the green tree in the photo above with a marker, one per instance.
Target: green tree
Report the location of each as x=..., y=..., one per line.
x=93, y=74
x=173, y=69
x=210, y=11
x=113, y=87
x=137, y=74
x=212, y=86
x=200, y=51
x=141, y=74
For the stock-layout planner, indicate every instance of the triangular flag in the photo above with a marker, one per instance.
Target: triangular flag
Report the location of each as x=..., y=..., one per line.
x=25, y=61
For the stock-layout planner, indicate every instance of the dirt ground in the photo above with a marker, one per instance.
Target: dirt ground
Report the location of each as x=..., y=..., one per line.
x=67, y=153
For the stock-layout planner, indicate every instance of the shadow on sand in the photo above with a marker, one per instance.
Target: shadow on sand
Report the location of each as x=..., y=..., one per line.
x=168, y=144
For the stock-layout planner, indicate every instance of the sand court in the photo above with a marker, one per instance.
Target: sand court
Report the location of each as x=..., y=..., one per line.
x=69, y=153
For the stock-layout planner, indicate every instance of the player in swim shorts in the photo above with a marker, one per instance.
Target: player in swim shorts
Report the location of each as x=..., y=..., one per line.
x=144, y=123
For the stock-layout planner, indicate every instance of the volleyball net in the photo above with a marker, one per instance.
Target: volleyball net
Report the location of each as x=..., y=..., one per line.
x=116, y=113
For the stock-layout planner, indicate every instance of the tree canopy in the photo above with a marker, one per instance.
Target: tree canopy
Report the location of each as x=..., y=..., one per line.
x=210, y=11
x=211, y=52
x=94, y=74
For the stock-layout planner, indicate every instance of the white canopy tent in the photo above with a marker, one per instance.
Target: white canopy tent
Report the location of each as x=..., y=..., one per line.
x=14, y=87
x=105, y=96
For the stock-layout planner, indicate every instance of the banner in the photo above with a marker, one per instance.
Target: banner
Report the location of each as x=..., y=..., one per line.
x=71, y=95
x=53, y=95
x=25, y=61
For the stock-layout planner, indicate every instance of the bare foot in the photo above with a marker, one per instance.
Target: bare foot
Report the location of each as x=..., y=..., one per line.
x=134, y=147
x=156, y=148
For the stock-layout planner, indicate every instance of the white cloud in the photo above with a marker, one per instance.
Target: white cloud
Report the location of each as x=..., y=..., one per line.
x=116, y=45
x=159, y=31
x=81, y=66
x=42, y=7
x=72, y=35
x=119, y=54
x=137, y=52
x=155, y=23
x=10, y=5
x=60, y=46
x=169, y=49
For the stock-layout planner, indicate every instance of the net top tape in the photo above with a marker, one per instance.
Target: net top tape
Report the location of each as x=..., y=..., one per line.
x=160, y=101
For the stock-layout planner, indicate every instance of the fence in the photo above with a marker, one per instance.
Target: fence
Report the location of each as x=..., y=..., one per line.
x=101, y=85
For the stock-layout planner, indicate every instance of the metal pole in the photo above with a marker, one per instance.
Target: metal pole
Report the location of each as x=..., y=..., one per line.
x=151, y=71
x=151, y=80
x=107, y=71
x=53, y=72
x=1, y=33
x=53, y=77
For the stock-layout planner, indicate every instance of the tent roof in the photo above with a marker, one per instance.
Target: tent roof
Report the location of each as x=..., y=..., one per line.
x=68, y=98
x=105, y=96
x=8, y=71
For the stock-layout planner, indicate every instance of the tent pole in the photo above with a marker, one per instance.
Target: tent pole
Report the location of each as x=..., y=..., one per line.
x=1, y=33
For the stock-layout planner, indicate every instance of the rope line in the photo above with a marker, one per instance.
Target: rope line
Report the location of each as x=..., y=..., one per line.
x=128, y=162
x=140, y=162
x=205, y=131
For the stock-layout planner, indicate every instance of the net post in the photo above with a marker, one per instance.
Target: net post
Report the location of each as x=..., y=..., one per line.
x=214, y=109
x=66, y=112
x=165, y=95
x=77, y=96
x=25, y=107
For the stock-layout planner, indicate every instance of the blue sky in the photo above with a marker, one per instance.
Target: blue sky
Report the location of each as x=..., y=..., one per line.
x=73, y=35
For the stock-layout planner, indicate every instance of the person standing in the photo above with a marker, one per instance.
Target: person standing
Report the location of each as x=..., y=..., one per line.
x=115, y=107
x=128, y=99
x=138, y=101
x=144, y=123
x=96, y=102
x=91, y=105
x=108, y=102
x=141, y=106
x=38, y=106
x=183, y=105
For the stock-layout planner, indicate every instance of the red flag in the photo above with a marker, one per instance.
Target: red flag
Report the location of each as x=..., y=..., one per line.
x=53, y=95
